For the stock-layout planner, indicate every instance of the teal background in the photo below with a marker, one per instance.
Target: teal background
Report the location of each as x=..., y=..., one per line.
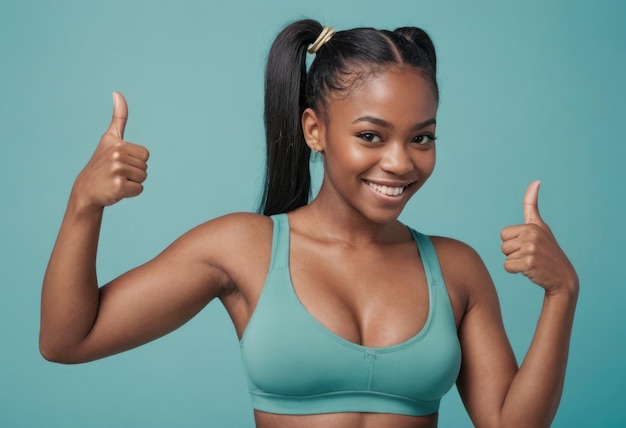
x=529, y=90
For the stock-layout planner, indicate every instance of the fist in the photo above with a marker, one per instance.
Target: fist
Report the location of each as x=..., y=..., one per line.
x=532, y=250
x=117, y=168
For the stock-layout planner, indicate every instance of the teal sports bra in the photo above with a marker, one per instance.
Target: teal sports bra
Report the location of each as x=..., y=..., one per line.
x=296, y=366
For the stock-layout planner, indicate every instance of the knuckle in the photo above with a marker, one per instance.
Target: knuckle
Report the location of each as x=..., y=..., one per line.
x=116, y=167
x=531, y=262
x=118, y=184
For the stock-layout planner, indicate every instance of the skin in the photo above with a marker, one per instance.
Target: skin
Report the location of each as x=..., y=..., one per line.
x=380, y=134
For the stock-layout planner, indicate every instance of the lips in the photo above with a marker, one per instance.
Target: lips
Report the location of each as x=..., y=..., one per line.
x=388, y=190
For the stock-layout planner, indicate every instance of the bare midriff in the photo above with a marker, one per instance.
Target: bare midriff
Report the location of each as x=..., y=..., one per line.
x=344, y=420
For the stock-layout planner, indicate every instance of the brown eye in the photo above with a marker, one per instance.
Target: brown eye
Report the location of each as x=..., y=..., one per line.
x=370, y=137
x=424, y=139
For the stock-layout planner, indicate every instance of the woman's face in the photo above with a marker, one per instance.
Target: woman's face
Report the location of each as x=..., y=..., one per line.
x=378, y=143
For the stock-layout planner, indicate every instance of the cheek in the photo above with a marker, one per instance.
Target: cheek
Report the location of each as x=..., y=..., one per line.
x=345, y=157
x=425, y=162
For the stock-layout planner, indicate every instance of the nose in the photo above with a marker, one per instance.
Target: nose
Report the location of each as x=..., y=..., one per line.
x=396, y=159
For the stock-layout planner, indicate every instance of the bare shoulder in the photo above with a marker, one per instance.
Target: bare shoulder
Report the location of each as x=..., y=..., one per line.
x=458, y=258
x=237, y=226
x=445, y=245
x=464, y=272
x=238, y=245
x=233, y=238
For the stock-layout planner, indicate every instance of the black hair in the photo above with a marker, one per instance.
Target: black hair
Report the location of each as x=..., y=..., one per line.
x=347, y=57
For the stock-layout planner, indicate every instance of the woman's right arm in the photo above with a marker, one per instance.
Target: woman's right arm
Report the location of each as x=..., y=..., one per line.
x=80, y=321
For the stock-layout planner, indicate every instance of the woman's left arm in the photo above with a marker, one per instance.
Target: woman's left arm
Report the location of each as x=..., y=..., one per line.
x=495, y=392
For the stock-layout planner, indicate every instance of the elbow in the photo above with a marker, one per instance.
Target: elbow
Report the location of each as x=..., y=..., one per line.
x=54, y=354
x=49, y=354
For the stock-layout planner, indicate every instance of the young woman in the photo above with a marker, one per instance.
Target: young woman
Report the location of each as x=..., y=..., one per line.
x=347, y=318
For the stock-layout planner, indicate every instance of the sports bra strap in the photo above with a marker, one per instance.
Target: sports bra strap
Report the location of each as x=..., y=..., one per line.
x=280, y=250
x=280, y=239
x=430, y=259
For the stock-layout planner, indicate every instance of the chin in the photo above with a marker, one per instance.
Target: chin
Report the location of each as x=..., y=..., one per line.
x=382, y=216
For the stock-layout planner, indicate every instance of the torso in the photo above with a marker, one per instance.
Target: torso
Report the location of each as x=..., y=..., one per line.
x=377, y=313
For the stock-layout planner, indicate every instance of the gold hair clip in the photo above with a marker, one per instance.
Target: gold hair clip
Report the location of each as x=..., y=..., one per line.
x=324, y=37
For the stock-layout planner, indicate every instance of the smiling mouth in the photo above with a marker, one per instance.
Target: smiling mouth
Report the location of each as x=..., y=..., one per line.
x=388, y=190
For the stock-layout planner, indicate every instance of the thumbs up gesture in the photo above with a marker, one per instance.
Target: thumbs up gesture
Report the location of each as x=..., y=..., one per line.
x=532, y=250
x=116, y=169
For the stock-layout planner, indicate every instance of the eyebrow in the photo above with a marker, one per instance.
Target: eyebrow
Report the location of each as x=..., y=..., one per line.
x=383, y=123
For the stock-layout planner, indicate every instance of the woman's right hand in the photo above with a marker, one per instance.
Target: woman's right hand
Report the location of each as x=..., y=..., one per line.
x=116, y=169
x=81, y=321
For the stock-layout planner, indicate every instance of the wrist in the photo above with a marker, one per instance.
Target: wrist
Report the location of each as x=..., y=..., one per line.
x=568, y=290
x=80, y=206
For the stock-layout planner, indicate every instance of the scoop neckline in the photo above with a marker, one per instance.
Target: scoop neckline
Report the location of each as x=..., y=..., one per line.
x=368, y=349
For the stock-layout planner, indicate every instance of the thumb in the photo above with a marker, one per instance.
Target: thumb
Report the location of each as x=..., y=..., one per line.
x=531, y=210
x=120, y=115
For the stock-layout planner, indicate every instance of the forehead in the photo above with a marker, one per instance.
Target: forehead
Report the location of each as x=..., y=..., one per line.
x=395, y=95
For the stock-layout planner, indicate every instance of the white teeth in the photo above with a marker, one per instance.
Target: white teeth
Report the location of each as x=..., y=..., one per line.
x=386, y=190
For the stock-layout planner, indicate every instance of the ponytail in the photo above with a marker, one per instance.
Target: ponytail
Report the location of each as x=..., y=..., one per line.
x=287, y=177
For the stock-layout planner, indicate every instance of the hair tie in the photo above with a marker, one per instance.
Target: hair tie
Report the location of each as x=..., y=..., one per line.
x=324, y=37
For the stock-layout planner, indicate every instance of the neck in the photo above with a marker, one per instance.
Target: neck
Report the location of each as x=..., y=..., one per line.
x=332, y=219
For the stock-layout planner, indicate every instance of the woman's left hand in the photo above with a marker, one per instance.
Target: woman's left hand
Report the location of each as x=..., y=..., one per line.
x=531, y=249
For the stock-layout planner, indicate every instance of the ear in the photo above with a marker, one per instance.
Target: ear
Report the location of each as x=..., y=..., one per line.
x=313, y=129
